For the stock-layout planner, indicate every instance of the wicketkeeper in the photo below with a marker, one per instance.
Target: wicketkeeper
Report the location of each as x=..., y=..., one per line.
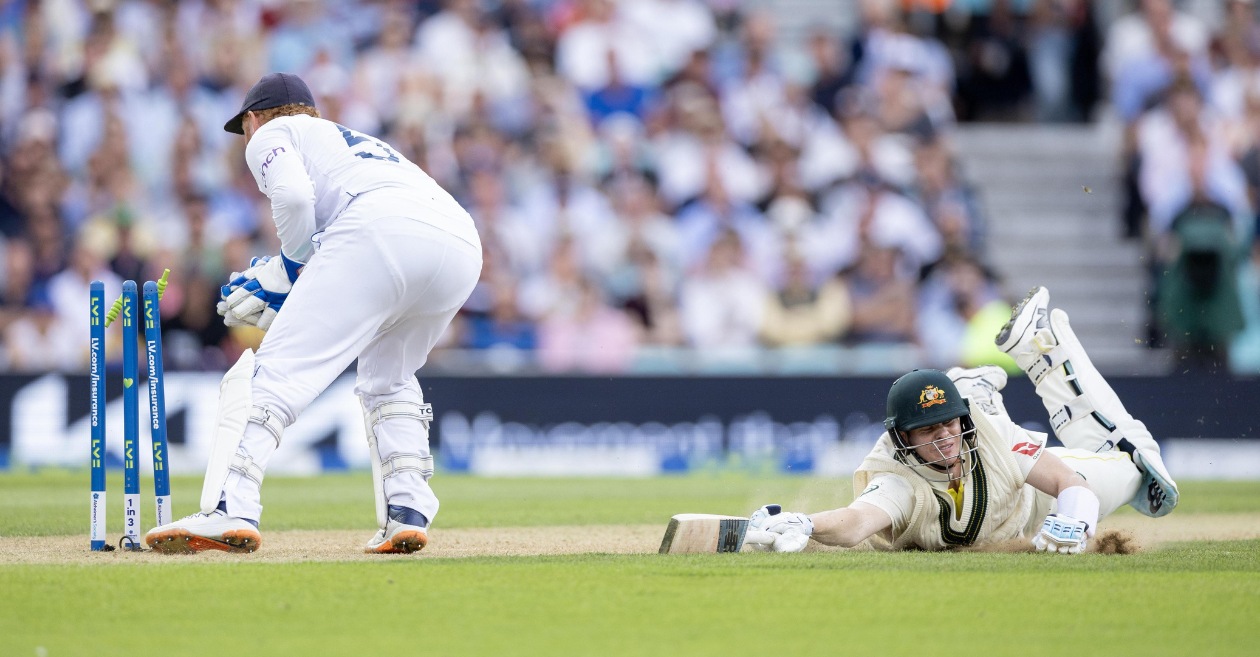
x=954, y=470
x=375, y=260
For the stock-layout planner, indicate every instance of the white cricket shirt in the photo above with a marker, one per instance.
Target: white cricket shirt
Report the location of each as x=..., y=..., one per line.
x=313, y=170
x=895, y=496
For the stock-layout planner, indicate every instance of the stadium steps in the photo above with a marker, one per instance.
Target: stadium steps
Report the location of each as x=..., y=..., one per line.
x=1052, y=197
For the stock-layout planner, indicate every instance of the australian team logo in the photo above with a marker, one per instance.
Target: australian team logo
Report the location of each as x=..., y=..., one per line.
x=931, y=396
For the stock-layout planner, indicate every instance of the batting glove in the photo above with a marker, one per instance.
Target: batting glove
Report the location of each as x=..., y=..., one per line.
x=792, y=529
x=1064, y=534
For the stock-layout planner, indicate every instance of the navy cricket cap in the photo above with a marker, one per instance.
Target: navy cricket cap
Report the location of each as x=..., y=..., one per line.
x=273, y=90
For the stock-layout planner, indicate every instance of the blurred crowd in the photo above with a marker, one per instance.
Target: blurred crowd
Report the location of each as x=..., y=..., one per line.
x=644, y=173
x=1186, y=88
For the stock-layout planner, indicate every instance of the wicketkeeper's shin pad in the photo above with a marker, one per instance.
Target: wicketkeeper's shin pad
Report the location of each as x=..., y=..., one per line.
x=245, y=437
x=398, y=439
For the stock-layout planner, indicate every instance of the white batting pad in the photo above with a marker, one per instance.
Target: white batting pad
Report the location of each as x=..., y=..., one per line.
x=235, y=399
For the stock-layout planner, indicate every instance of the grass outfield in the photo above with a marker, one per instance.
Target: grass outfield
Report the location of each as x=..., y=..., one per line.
x=1170, y=599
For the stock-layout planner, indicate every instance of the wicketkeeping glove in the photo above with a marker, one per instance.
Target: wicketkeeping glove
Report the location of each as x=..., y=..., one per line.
x=792, y=529
x=255, y=295
x=1063, y=534
x=262, y=319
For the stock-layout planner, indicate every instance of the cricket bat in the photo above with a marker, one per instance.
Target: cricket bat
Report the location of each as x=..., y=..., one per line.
x=690, y=533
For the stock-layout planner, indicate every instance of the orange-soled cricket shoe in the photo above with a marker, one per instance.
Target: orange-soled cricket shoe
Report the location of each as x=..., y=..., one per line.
x=205, y=531
x=405, y=532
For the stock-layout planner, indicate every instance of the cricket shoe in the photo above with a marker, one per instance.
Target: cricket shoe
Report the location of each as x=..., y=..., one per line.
x=404, y=533
x=1157, y=496
x=205, y=531
x=1029, y=316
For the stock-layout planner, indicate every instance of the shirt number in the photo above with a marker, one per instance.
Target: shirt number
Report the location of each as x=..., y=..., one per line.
x=354, y=139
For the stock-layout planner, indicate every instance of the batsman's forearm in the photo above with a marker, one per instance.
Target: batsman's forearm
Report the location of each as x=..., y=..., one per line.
x=846, y=527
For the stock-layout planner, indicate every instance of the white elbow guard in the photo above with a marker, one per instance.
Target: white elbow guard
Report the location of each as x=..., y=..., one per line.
x=1080, y=503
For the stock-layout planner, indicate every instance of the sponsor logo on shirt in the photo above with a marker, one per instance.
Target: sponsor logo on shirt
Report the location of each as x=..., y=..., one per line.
x=270, y=158
x=1030, y=449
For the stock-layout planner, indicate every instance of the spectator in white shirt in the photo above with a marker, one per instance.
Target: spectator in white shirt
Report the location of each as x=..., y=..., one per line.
x=40, y=340
x=472, y=56
x=721, y=304
x=868, y=213
x=581, y=50
x=677, y=28
x=709, y=219
x=1185, y=157
x=699, y=147
x=1133, y=37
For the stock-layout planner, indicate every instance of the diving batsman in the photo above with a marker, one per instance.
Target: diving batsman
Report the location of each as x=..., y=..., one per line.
x=953, y=470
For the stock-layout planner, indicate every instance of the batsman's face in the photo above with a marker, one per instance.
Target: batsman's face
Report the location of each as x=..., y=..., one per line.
x=937, y=443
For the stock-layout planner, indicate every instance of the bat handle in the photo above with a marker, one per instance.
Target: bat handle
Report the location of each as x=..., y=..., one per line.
x=759, y=537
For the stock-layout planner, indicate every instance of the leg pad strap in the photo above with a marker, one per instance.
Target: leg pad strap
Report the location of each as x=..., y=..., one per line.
x=1043, y=362
x=423, y=465
x=422, y=412
x=269, y=421
x=1072, y=411
x=243, y=465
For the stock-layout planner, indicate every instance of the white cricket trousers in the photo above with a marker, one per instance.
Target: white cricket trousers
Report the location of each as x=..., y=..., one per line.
x=381, y=289
x=1110, y=474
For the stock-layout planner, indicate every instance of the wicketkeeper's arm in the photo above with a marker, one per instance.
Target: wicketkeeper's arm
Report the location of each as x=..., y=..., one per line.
x=273, y=158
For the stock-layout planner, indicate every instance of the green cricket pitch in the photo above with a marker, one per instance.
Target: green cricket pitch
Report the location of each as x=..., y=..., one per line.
x=568, y=567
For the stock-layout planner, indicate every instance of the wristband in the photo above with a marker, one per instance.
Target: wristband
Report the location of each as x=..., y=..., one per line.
x=291, y=267
x=1080, y=503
